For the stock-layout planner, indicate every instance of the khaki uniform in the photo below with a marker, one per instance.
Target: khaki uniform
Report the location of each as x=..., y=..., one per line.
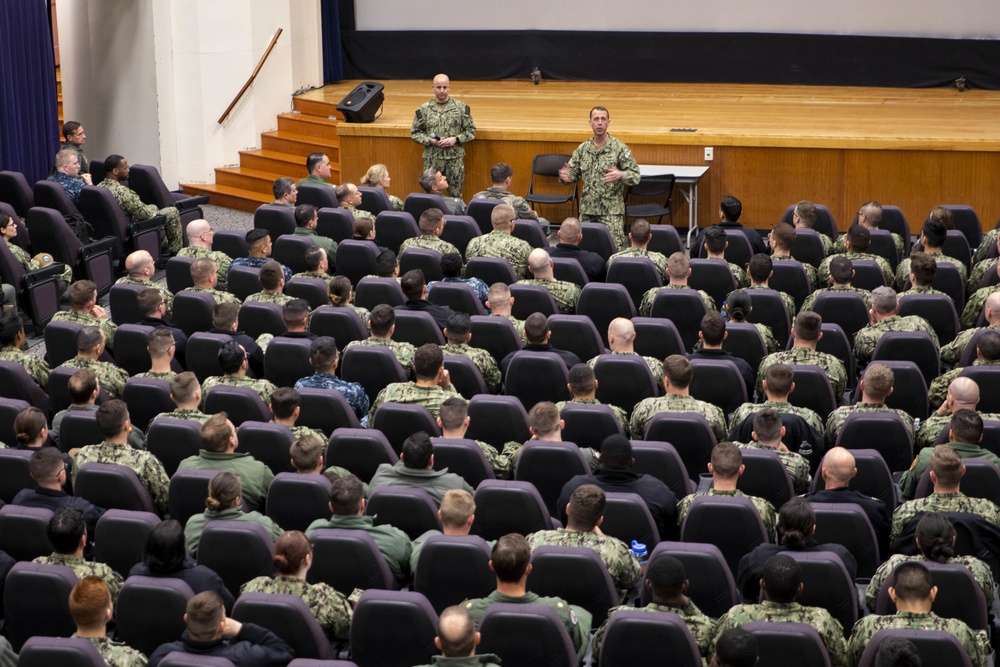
x=648, y=408
x=599, y=201
x=146, y=466
x=111, y=377
x=620, y=414
x=429, y=242
x=980, y=570
x=264, y=388
x=646, y=306
x=943, y=502
x=798, y=356
x=796, y=465
x=328, y=606
x=168, y=298
x=404, y=352
x=868, y=337
x=822, y=622
x=781, y=407
x=86, y=319
x=221, y=259
x=658, y=259
x=486, y=364
x=621, y=563
x=837, y=418
x=451, y=119
x=84, y=568
x=576, y=620
x=811, y=299
x=502, y=245
x=36, y=367
x=764, y=508
x=701, y=627
x=566, y=294
x=136, y=211
x=975, y=642
x=409, y=392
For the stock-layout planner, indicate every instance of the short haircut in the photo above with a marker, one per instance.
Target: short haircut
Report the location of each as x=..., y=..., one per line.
x=385, y=263
x=988, y=345
x=345, y=495
x=430, y=220
x=499, y=292
x=417, y=451
x=967, y=426
x=736, y=648
x=413, y=283
x=203, y=615
x=859, y=237
x=783, y=236
x=46, y=463
x=427, y=361
x=616, y=452
x=947, y=465
x=255, y=236
x=678, y=265
x=69, y=128
x=342, y=192
x=184, y=386
x=89, y=338
x=878, y=379
x=89, y=601
x=427, y=178
x=808, y=325
x=759, y=267
x=81, y=385
x=640, y=232
x=510, y=558
x=271, y=275
x=456, y=507
x=544, y=418
x=323, y=352
x=536, y=327
x=767, y=426
x=591, y=114
x=459, y=325
x=313, y=161
x=500, y=172
x=381, y=319
x=884, y=300
x=872, y=210
x=841, y=269
x=28, y=425
x=779, y=378
x=112, y=162
x=713, y=328
x=202, y=269
x=896, y=651
x=913, y=582
x=924, y=268
x=456, y=632
x=677, y=368
x=231, y=357
x=586, y=506
x=225, y=315
x=282, y=186
x=305, y=452
x=304, y=213
x=294, y=311
x=731, y=208
x=451, y=265
x=65, y=529
x=64, y=157
x=284, y=400
x=667, y=575
x=715, y=239
x=290, y=551
x=160, y=342
x=148, y=301
x=453, y=412
x=216, y=432
x=502, y=216
x=581, y=379
x=726, y=459
x=782, y=577
x=807, y=213
x=112, y=417
x=934, y=232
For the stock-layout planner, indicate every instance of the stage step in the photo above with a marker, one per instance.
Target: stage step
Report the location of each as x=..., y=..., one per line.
x=296, y=144
x=246, y=179
x=310, y=126
x=228, y=196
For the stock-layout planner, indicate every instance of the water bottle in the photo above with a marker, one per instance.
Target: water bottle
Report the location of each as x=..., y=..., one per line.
x=641, y=555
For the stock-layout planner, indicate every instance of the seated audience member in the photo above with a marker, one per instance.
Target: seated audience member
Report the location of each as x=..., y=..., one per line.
x=570, y=235
x=621, y=340
x=730, y=210
x=500, y=179
x=286, y=407
x=164, y=557
x=715, y=246
x=318, y=166
x=306, y=221
x=234, y=360
x=382, y=324
x=736, y=647
x=415, y=288
x=8, y=230
x=923, y=268
x=454, y=272
x=434, y=183
x=116, y=169
x=140, y=269
x=677, y=374
x=259, y=248
x=69, y=174
x=759, y=270
x=870, y=216
x=583, y=387
x=857, y=240
x=501, y=243
x=837, y=470
x=804, y=216
x=317, y=263
x=876, y=387
x=199, y=236
x=431, y=224
x=14, y=342
x=205, y=276
x=639, y=237
x=806, y=332
x=286, y=191
x=225, y=318
x=292, y=559
x=454, y=420
x=678, y=272
x=91, y=607
x=67, y=530
x=767, y=434
x=83, y=309
x=431, y=388
x=307, y=458
x=536, y=336
x=90, y=343
x=84, y=388
x=777, y=385
x=965, y=438
x=457, y=640
x=841, y=273
x=782, y=239
x=932, y=238
x=48, y=469
x=295, y=316
x=415, y=470
x=457, y=512
x=74, y=139
x=325, y=358
x=963, y=394
x=377, y=176
x=499, y=304
x=458, y=333
x=273, y=282
x=154, y=314
x=711, y=334
x=565, y=294
x=349, y=197
x=211, y=633
x=224, y=503
x=185, y=392
x=341, y=294
x=883, y=318
x=161, y=354
x=546, y=425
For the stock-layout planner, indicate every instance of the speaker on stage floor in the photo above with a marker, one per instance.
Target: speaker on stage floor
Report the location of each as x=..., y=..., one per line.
x=361, y=104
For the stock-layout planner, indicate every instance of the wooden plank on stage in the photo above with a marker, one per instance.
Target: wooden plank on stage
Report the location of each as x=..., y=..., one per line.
x=774, y=145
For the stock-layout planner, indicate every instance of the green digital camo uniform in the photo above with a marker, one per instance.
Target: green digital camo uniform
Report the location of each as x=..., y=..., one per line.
x=136, y=211
x=701, y=627
x=648, y=408
x=979, y=271
x=518, y=324
x=196, y=415
x=952, y=352
x=218, y=295
x=521, y=207
x=116, y=654
x=658, y=259
x=919, y=289
x=655, y=366
x=822, y=622
x=770, y=342
x=360, y=214
x=975, y=305
x=86, y=319
x=168, y=298
x=812, y=276
x=908, y=482
x=943, y=502
x=451, y=119
x=325, y=277
x=840, y=245
x=428, y=242
x=30, y=264
x=146, y=466
x=620, y=414
x=84, y=568
x=837, y=418
x=111, y=377
x=788, y=300
x=269, y=297
x=823, y=273
x=264, y=388
x=409, y=392
x=989, y=240
x=980, y=570
x=781, y=407
x=764, y=508
x=867, y=338
x=903, y=270
x=196, y=525
x=166, y=375
x=393, y=543
x=576, y=620
x=503, y=245
x=404, y=352
x=646, y=306
x=255, y=476
x=221, y=259
x=800, y=356
x=566, y=294
x=599, y=201
x=36, y=367
x=938, y=392
x=811, y=299
x=486, y=364
x=328, y=606
x=796, y=465
x=975, y=643
x=621, y=563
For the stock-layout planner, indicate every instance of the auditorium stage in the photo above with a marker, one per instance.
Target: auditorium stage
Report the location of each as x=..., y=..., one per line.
x=773, y=145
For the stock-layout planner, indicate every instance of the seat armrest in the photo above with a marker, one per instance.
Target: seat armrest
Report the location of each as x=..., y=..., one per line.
x=145, y=225
x=184, y=202
x=53, y=270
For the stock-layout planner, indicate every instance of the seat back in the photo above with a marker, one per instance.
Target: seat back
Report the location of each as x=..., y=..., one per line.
x=588, y=425
x=233, y=244
x=359, y=450
x=113, y=487
x=718, y=381
x=549, y=189
x=460, y=297
x=63, y=651
x=465, y=375
x=895, y=222
x=847, y=309
x=496, y=335
x=883, y=431
x=277, y=220
x=237, y=551
x=451, y=569
x=151, y=611
x=827, y=584
x=712, y=585
x=548, y=466
x=656, y=337
x=15, y=383
x=268, y=443
x=318, y=195
x=14, y=190
x=426, y=260
x=289, y=618
x=788, y=643
x=286, y=360
x=60, y=342
x=530, y=232
x=597, y=238
x=790, y=277
x=313, y=290
x=634, y=637
x=463, y=457
x=627, y=517
x=744, y=341
x=807, y=248
x=417, y=328
x=909, y=391
x=603, y=302
x=959, y=596
x=713, y=277
x=661, y=460
x=847, y=524
x=813, y=390
x=290, y=250
x=193, y=313
x=349, y=559
x=259, y=317
x=50, y=194
x=623, y=380
x=729, y=522
x=937, y=309
x=683, y=307
x=575, y=574
x=179, y=273
x=374, y=291
x=295, y=500
x=325, y=410
x=394, y=227
x=522, y=634
x=770, y=309
x=665, y=240
x=393, y=629
x=335, y=223
x=241, y=404
x=765, y=477
x=691, y=435
x=172, y=440
x=24, y=532
x=537, y=376
x=497, y=420
x=36, y=602
x=398, y=421
x=530, y=299
x=915, y=346
x=883, y=245
x=188, y=491
x=576, y=334
x=481, y=210
x=637, y=274
x=413, y=511
x=569, y=270
x=123, y=300
x=244, y=281
x=418, y=202
x=146, y=398
x=343, y=324
x=182, y=659
x=356, y=259
x=120, y=538
x=490, y=270
x=935, y=647
x=131, y=343
x=14, y=474
x=867, y=274
x=459, y=230
x=508, y=506
x=374, y=200
x=956, y=245
x=202, y=354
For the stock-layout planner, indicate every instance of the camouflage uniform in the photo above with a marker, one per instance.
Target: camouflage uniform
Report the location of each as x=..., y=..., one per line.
x=989, y=238
x=943, y=502
x=811, y=299
x=566, y=294
x=822, y=622
x=938, y=392
x=785, y=297
x=781, y=407
x=576, y=620
x=903, y=270
x=404, y=352
x=258, y=262
x=521, y=207
x=36, y=367
x=136, y=211
x=648, y=408
x=979, y=271
x=837, y=418
x=620, y=414
x=111, y=377
x=919, y=289
x=518, y=324
x=86, y=319
x=622, y=564
x=867, y=338
x=739, y=275
x=325, y=277
x=486, y=364
x=658, y=259
x=168, y=298
x=812, y=276
x=196, y=525
x=328, y=606
x=840, y=245
x=116, y=654
x=646, y=306
x=166, y=375
x=221, y=259
x=698, y=624
x=980, y=570
x=218, y=295
x=428, y=242
x=269, y=297
x=764, y=508
x=952, y=352
x=908, y=482
x=975, y=642
x=796, y=464
x=770, y=342
x=599, y=201
x=196, y=415
x=352, y=391
x=823, y=273
x=84, y=568
x=655, y=366
x=974, y=306
x=409, y=392
x=481, y=289
x=395, y=202
x=503, y=245
x=393, y=543
x=799, y=356
x=451, y=119
x=30, y=264
x=146, y=466
x=264, y=388
x=476, y=660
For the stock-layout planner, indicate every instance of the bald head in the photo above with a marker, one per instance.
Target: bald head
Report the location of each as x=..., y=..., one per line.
x=457, y=636
x=621, y=335
x=195, y=230
x=993, y=307
x=540, y=264
x=139, y=264
x=963, y=393
x=570, y=231
x=838, y=468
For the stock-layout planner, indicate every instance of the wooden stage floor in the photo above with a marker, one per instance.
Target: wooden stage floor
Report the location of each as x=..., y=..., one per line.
x=773, y=145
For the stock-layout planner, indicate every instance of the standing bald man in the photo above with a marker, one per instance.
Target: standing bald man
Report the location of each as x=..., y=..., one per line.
x=443, y=126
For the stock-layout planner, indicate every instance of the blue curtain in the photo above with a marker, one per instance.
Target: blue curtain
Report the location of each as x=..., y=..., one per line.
x=333, y=61
x=29, y=115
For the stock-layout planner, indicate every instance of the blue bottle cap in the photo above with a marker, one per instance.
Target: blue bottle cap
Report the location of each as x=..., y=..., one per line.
x=638, y=548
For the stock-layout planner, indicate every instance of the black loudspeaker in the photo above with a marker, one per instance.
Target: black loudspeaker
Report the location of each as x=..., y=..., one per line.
x=362, y=103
